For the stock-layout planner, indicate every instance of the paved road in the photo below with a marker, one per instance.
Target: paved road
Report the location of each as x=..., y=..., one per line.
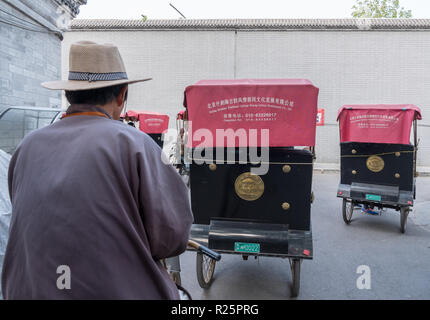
x=399, y=263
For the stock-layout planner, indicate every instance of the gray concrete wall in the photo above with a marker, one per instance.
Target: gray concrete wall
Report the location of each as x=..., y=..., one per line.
x=28, y=58
x=348, y=66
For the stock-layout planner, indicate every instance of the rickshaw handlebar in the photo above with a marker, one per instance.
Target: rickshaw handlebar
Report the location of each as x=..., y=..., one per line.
x=205, y=250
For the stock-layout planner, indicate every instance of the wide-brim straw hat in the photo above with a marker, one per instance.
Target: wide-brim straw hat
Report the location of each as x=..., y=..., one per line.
x=93, y=66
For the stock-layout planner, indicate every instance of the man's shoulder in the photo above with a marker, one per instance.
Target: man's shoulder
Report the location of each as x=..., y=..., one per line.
x=107, y=128
x=140, y=139
x=123, y=128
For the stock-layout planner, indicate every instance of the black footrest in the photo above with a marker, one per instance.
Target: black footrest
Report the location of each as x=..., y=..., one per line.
x=245, y=237
x=372, y=192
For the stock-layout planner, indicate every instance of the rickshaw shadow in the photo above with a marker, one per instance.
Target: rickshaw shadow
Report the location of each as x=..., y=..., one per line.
x=265, y=278
x=387, y=222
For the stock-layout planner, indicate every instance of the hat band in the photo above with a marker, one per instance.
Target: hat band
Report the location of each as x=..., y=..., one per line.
x=87, y=76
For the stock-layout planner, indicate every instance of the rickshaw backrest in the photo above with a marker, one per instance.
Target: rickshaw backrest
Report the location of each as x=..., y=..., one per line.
x=377, y=123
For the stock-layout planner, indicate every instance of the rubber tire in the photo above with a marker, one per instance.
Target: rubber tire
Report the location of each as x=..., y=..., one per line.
x=295, y=272
x=347, y=216
x=204, y=284
x=404, y=212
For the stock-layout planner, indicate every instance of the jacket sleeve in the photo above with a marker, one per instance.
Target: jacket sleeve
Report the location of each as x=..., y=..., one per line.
x=165, y=203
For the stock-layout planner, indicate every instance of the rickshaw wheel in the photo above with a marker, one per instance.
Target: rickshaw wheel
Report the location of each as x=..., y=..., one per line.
x=347, y=210
x=295, y=271
x=404, y=212
x=205, y=267
x=176, y=277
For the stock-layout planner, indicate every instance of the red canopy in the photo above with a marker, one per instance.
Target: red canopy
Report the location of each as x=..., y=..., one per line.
x=133, y=115
x=286, y=107
x=153, y=122
x=377, y=123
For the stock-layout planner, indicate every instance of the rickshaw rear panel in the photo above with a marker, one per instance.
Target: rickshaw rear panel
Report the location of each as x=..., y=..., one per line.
x=158, y=138
x=285, y=196
x=397, y=162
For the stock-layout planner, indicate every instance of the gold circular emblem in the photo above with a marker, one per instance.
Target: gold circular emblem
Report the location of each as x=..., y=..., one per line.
x=285, y=206
x=354, y=172
x=397, y=175
x=375, y=164
x=397, y=154
x=354, y=151
x=212, y=167
x=249, y=187
x=286, y=168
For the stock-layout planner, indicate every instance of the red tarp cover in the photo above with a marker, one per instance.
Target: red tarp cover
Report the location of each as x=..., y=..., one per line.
x=287, y=107
x=377, y=123
x=152, y=122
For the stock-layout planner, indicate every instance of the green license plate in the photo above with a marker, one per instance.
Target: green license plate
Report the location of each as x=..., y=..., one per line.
x=247, y=247
x=373, y=197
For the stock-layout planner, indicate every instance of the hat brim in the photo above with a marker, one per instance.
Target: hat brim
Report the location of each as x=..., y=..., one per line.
x=74, y=85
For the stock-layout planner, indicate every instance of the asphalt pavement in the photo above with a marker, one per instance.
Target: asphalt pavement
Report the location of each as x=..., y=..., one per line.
x=393, y=265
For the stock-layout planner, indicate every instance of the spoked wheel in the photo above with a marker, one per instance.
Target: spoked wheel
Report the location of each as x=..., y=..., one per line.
x=347, y=210
x=404, y=212
x=205, y=267
x=295, y=271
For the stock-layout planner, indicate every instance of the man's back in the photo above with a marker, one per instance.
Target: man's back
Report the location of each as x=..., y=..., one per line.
x=92, y=194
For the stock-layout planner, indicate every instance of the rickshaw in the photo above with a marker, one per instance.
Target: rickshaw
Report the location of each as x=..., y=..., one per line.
x=16, y=122
x=152, y=123
x=378, y=162
x=177, y=156
x=237, y=208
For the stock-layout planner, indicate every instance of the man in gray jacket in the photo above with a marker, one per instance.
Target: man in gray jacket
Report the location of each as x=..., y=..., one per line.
x=94, y=207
